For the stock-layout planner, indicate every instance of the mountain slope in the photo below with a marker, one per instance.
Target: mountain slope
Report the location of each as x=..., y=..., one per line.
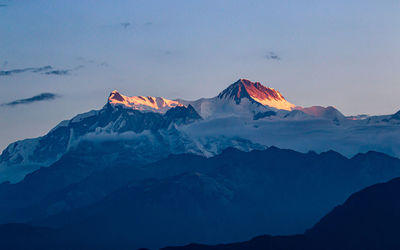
x=23, y=157
x=368, y=220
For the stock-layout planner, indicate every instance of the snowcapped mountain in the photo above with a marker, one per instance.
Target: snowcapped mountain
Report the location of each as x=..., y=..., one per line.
x=326, y=112
x=256, y=92
x=245, y=115
x=137, y=122
x=242, y=98
x=143, y=103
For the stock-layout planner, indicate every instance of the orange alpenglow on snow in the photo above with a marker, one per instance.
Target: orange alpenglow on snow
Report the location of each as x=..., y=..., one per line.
x=244, y=88
x=143, y=103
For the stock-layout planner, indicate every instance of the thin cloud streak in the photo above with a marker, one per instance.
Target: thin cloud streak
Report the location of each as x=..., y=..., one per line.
x=46, y=70
x=19, y=71
x=33, y=99
x=58, y=72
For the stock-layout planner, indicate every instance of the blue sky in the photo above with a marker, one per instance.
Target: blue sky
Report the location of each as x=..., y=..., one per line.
x=340, y=53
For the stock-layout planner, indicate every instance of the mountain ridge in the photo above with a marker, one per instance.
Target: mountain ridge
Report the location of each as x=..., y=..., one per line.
x=231, y=117
x=242, y=191
x=143, y=103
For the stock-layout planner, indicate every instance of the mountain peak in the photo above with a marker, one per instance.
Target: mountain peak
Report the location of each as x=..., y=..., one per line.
x=255, y=91
x=143, y=103
x=115, y=95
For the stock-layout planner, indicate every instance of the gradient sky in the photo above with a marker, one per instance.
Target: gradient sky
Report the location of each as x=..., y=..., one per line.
x=340, y=53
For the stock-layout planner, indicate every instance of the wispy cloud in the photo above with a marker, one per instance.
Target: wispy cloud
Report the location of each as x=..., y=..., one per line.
x=125, y=25
x=36, y=98
x=23, y=70
x=272, y=56
x=47, y=70
x=58, y=72
x=41, y=69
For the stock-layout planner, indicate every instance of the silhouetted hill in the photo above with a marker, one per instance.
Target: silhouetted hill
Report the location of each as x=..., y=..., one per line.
x=368, y=220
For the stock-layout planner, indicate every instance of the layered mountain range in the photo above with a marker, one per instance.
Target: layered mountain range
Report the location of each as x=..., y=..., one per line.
x=368, y=220
x=149, y=172
x=185, y=198
x=246, y=115
x=188, y=198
